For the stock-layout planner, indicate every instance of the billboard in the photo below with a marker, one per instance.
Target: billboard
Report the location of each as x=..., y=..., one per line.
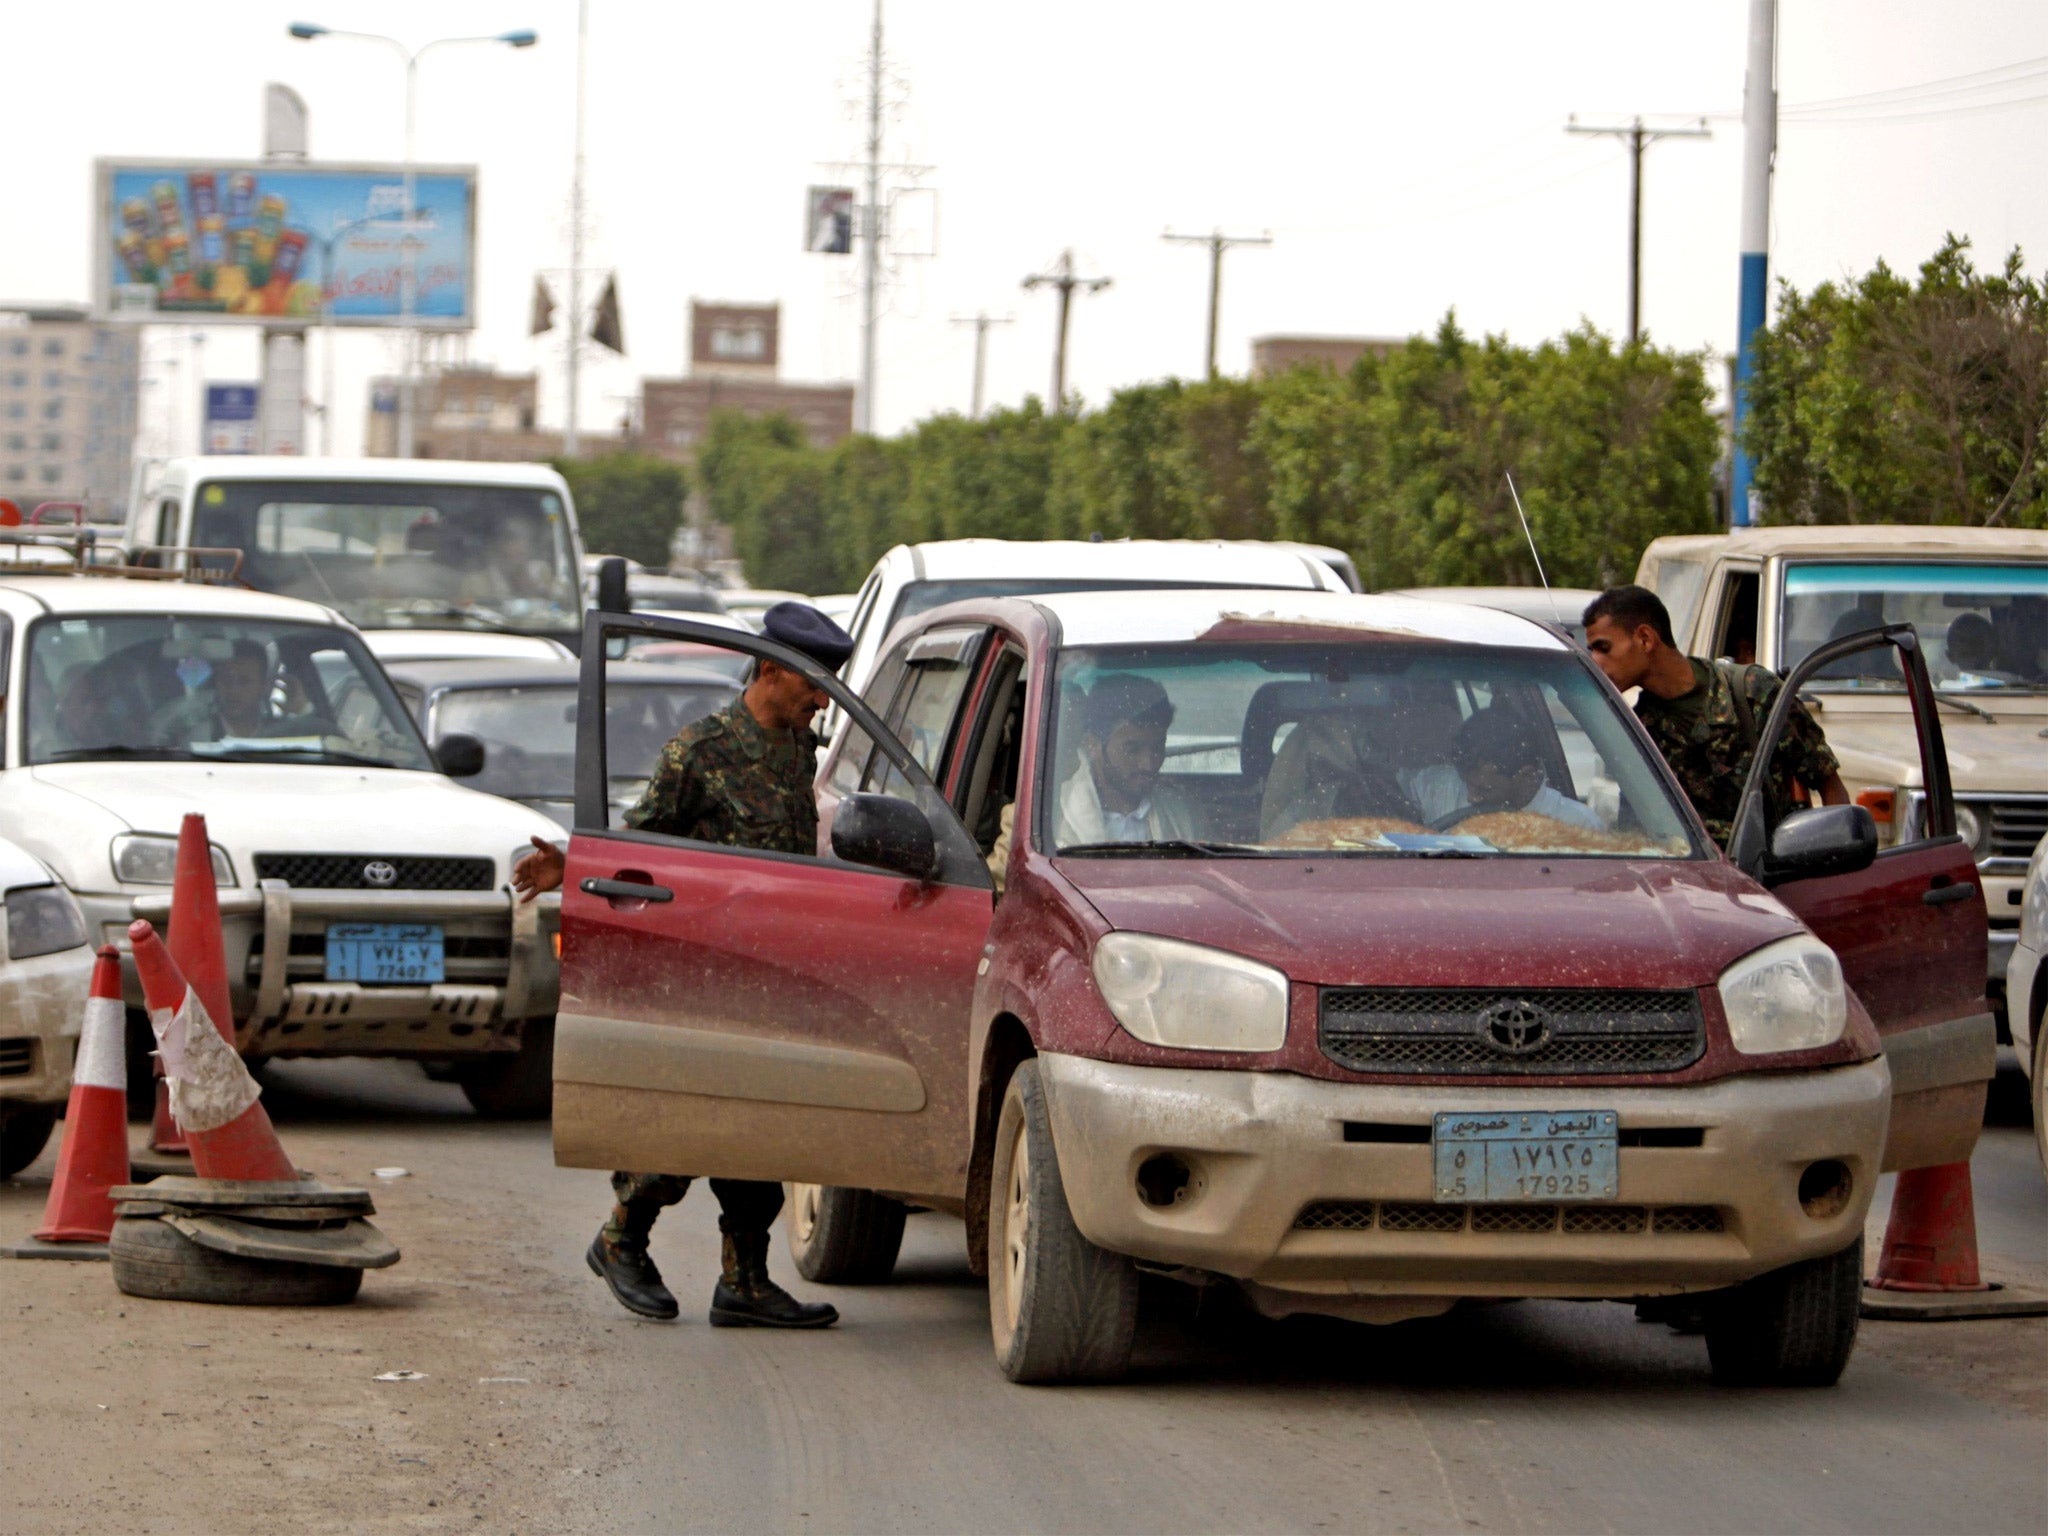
x=268, y=243
x=828, y=221
x=231, y=418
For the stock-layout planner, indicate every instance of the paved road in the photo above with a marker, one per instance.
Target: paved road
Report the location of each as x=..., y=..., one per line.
x=546, y=1408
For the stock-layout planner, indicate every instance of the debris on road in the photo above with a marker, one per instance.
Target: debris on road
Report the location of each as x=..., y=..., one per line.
x=400, y=1376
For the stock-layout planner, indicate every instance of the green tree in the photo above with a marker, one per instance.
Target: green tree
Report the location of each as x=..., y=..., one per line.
x=627, y=503
x=1885, y=400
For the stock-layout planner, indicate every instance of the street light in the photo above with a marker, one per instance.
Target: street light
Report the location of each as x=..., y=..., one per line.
x=306, y=31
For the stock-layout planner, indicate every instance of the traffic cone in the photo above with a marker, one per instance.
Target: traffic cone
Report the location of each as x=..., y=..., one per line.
x=94, y=1157
x=215, y=1099
x=196, y=949
x=1928, y=1266
x=164, y=1135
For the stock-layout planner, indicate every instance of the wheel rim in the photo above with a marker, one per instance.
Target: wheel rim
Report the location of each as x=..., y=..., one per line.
x=804, y=1212
x=1016, y=1225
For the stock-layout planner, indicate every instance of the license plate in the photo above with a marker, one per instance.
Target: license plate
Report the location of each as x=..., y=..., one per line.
x=385, y=952
x=1537, y=1154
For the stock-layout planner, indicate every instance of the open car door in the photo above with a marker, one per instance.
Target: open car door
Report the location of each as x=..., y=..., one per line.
x=736, y=1012
x=1909, y=927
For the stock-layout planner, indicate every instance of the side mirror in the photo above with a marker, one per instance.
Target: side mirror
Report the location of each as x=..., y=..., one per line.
x=887, y=833
x=460, y=755
x=611, y=586
x=1828, y=840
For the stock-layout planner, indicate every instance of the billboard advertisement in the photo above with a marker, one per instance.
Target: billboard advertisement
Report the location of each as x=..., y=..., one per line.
x=266, y=243
x=231, y=418
x=828, y=221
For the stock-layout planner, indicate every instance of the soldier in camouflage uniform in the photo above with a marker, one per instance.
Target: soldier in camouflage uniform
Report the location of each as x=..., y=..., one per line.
x=1705, y=716
x=741, y=777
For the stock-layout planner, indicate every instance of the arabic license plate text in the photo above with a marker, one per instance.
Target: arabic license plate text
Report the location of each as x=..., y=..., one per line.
x=1538, y=1154
x=392, y=953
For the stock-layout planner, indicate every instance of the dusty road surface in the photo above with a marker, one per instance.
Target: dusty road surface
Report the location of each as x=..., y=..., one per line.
x=545, y=1408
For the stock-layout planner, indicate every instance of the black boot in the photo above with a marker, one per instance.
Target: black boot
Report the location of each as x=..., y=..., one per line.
x=623, y=1265
x=747, y=1298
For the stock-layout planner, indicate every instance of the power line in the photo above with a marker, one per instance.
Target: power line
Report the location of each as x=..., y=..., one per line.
x=981, y=322
x=2008, y=74
x=1639, y=138
x=1062, y=278
x=1217, y=242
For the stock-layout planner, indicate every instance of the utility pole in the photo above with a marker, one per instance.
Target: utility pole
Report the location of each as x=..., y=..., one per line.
x=981, y=322
x=570, y=442
x=871, y=229
x=1639, y=138
x=1062, y=278
x=1759, y=144
x=1218, y=242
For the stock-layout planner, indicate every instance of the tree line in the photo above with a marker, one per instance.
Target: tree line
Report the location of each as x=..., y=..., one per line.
x=1881, y=400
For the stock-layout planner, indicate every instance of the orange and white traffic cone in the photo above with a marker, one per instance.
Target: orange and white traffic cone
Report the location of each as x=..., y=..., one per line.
x=213, y=1097
x=164, y=1135
x=195, y=943
x=1928, y=1266
x=94, y=1156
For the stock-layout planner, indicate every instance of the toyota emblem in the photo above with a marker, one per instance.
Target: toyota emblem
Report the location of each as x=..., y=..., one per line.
x=1516, y=1027
x=380, y=872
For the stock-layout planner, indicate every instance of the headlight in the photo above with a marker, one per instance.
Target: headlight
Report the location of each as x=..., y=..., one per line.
x=42, y=919
x=1191, y=998
x=151, y=858
x=1788, y=996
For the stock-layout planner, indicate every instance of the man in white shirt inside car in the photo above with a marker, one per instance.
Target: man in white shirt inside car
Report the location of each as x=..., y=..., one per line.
x=1501, y=763
x=1116, y=794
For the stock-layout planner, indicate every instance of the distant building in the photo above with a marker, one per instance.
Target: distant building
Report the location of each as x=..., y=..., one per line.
x=734, y=366
x=471, y=413
x=69, y=389
x=1277, y=354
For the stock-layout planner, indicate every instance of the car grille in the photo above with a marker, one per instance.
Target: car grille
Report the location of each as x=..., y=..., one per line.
x=17, y=1057
x=1497, y=1032
x=2016, y=826
x=352, y=871
x=1421, y=1216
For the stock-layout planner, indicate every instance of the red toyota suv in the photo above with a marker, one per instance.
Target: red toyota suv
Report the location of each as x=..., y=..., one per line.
x=1358, y=952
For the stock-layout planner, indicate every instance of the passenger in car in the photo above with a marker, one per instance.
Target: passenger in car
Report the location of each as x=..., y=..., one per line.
x=1116, y=794
x=1501, y=762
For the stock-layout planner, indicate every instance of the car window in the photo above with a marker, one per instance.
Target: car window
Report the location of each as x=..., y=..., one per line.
x=1351, y=746
x=108, y=686
x=939, y=666
x=1679, y=584
x=1984, y=626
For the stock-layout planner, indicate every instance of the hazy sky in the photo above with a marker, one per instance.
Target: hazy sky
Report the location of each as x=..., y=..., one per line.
x=1406, y=159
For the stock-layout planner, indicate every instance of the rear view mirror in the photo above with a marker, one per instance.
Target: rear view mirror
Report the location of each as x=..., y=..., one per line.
x=1829, y=840
x=887, y=833
x=460, y=755
x=611, y=585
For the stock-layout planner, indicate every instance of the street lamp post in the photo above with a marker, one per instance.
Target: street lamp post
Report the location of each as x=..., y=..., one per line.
x=307, y=31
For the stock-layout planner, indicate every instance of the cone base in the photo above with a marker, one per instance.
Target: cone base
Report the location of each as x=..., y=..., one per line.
x=88, y=1252
x=1896, y=1306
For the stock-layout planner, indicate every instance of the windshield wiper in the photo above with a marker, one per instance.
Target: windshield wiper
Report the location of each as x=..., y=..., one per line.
x=325, y=754
x=1965, y=705
x=154, y=754
x=1168, y=847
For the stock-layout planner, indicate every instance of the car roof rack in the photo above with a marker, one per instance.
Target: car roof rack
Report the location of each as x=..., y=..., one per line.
x=39, y=545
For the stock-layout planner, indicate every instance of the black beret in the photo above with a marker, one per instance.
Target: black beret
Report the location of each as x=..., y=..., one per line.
x=802, y=628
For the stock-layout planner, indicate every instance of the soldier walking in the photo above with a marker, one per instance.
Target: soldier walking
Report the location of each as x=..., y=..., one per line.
x=741, y=777
x=1704, y=716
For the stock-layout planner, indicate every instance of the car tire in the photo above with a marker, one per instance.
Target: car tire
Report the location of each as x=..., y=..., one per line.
x=1793, y=1327
x=24, y=1132
x=2038, y=1086
x=844, y=1236
x=158, y=1261
x=1060, y=1308
x=515, y=1085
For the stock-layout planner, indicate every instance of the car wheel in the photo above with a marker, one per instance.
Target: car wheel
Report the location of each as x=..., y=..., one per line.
x=1060, y=1308
x=24, y=1132
x=844, y=1236
x=1793, y=1327
x=515, y=1085
x=158, y=1261
x=2039, y=1086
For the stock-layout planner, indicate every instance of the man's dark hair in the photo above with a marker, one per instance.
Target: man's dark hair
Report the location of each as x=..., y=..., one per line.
x=1630, y=608
x=1498, y=737
x=1124, y=698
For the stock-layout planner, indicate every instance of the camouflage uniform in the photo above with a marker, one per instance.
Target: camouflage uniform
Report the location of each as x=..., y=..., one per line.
x=723, y=779
x=1701, y=736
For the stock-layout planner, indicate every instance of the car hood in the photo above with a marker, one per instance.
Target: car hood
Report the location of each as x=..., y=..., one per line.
x=1875, y=740
x=252, y=808
x=20, y=867
x=1518, y=922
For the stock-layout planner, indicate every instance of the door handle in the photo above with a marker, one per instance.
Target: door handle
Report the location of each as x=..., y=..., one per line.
x=626, y=890
x=1948, y=895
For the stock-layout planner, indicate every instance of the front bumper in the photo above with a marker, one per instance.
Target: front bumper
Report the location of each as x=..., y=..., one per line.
x=42, y=1007
x=1265, y=1146
x=501, y=969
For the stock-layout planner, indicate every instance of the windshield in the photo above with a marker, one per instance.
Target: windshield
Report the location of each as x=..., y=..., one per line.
x=102, y=686
x=403, y=556
x=1351, y=746
x=1984, y=627
x=529, y=734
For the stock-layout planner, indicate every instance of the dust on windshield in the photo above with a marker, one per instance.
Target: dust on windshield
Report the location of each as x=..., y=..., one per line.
x=156, y=688
x=1366, y=747
x=1984, y=627
x=403, y=556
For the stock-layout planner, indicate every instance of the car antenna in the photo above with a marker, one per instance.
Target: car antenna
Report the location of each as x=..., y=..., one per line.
x=1526, y=533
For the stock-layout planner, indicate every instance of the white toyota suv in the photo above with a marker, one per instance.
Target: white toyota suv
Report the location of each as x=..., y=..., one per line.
x=364, y=896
